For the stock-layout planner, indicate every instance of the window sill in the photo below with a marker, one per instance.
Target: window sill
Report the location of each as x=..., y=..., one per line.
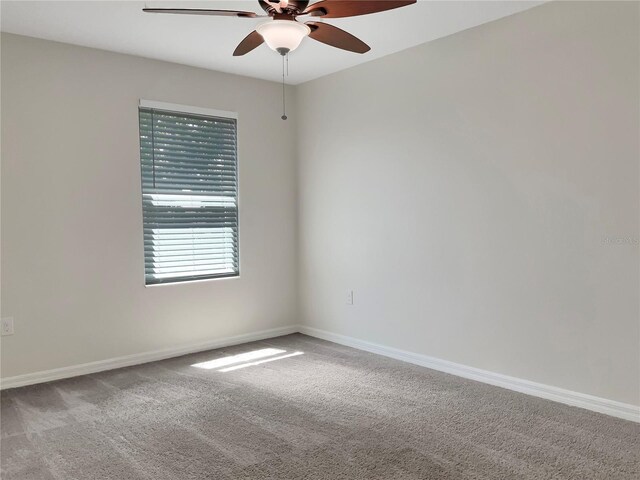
x=199, y=280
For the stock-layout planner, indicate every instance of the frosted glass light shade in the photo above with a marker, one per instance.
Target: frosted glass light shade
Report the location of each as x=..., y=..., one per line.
x=283, y=35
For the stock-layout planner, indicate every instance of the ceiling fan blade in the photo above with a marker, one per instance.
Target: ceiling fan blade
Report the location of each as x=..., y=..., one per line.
x=251, y=41
x=325, y=33
x=351, y=8
x=202, y=11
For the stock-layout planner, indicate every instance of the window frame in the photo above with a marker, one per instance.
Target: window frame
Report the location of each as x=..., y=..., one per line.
x=202, y=111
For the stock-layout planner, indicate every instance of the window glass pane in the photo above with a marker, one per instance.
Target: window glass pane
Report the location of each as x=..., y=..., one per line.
x=189, y=196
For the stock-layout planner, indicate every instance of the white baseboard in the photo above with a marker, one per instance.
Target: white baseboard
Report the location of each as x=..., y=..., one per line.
x=589, y=402
x=138, y=358
x=576, y=399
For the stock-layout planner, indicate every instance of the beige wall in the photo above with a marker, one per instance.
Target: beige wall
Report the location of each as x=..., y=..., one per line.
x=464, y=190
x=72, y=264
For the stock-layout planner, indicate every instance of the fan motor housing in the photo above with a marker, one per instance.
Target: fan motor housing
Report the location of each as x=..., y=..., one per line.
x=293, y=7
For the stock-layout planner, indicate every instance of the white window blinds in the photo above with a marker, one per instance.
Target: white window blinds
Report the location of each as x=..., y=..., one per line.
x=189, y=195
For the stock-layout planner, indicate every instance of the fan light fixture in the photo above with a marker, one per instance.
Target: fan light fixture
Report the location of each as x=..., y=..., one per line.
x=283, y=33
x=283, y=36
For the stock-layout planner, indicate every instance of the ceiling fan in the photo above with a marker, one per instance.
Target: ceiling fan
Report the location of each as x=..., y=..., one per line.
x=283, y=33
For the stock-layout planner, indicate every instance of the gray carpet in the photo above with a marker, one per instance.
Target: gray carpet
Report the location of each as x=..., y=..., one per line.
x=329, y=413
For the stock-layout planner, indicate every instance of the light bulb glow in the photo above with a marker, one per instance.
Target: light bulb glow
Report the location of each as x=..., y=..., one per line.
x=283, y=34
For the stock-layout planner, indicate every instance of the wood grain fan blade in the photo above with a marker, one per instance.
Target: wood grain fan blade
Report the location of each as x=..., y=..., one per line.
x=352, y=8
x=202, y=11
x=325, y=33
x=251, y=41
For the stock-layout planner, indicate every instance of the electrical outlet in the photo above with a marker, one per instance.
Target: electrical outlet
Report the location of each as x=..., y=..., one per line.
x=350, y=297
x=7, y=326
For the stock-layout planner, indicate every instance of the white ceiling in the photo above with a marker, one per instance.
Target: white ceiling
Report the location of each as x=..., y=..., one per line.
x=208, y=42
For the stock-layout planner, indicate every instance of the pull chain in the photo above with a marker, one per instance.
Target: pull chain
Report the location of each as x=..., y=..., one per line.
x=284, y=111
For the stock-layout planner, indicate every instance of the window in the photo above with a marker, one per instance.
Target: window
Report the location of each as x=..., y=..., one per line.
x=189, y=193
